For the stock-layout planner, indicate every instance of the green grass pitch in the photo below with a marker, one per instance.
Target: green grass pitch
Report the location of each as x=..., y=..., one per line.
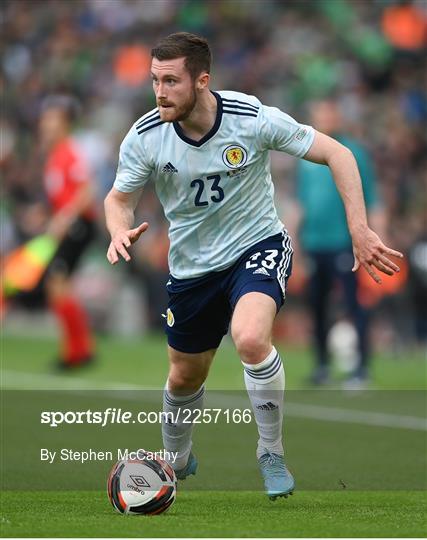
x=311, y=512
x=220, y=514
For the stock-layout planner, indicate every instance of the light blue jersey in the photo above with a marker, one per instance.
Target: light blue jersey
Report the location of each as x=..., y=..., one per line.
x=217, y=193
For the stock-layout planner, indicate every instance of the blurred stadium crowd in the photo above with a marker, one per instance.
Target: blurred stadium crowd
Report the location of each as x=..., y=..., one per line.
x=369, y=55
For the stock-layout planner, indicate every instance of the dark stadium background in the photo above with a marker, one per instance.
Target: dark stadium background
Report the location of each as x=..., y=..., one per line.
x=287, y=53
x=370, y=56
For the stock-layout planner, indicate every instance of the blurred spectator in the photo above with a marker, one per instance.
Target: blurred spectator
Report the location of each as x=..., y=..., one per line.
x=326, y=241
x=284, y=52
x=67, y=184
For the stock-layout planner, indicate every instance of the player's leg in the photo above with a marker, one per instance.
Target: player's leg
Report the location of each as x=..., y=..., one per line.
x=256, y=291
x=188, y=371
x=198, y=318
x=183, y=396
x=251, y=329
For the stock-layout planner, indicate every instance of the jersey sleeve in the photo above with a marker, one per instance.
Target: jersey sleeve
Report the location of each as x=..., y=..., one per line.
x=279, y=131
x=134, y=168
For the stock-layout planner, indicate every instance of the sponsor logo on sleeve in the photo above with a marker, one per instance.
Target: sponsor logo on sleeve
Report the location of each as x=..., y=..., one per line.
x=300, y=134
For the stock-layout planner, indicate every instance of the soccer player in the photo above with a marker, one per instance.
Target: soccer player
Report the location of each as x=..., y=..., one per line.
x=67, y=184
x=230, y=256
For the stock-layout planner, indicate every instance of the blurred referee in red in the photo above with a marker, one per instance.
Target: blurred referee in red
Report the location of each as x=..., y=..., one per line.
x=68, y=186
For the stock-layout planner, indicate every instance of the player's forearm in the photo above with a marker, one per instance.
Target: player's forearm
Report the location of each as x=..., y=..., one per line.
x=347, y=179
x=119, y=213
x=340, y=160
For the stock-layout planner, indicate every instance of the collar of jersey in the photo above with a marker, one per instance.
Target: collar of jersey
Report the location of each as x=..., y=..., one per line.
x=210, y=133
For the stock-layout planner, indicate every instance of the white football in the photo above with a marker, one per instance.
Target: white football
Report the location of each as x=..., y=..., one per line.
x=142, y=486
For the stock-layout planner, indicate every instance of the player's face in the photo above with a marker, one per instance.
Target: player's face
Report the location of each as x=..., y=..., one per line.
x=174, y=88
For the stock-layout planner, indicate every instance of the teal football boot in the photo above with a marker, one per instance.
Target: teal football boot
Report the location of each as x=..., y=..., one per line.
x=190, y=468
x=278, y=481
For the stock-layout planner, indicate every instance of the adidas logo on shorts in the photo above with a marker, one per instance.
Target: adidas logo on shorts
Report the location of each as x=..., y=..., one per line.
x=261, y=270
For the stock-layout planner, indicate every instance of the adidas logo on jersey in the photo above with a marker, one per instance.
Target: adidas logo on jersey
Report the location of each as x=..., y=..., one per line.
x=261, y=270
x=269, y=406
x=169, y=168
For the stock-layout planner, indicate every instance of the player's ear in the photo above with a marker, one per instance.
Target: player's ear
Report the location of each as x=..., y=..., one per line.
x=202, y=81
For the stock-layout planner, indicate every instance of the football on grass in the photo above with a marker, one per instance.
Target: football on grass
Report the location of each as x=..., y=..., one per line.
x=143, y=486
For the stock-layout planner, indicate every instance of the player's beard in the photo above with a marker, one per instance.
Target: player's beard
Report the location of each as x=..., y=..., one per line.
x=181, y=112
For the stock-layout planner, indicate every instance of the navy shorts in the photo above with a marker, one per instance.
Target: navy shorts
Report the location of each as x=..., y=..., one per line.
x=200, y=309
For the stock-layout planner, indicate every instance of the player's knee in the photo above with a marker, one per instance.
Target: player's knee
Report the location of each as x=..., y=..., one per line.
x=184, y=383
x=251, y=346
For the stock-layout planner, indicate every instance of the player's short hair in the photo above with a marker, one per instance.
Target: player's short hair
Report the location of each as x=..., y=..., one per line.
x=194, y=49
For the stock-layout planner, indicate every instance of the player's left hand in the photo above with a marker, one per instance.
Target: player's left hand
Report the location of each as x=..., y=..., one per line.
x=370, y=252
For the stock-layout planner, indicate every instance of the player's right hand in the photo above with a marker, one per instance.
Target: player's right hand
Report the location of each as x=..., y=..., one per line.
x=122, y=240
